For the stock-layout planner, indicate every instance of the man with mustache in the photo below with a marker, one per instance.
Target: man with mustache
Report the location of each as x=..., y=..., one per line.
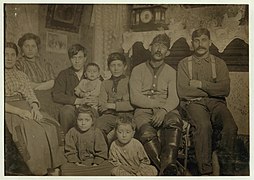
x=203, y=83
x=153, y=92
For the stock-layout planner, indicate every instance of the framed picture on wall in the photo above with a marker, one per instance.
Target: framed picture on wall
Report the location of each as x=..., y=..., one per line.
x=56, y=42
x=66, y=17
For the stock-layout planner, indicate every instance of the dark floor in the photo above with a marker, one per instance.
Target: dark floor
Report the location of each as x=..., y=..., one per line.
x=14, y=166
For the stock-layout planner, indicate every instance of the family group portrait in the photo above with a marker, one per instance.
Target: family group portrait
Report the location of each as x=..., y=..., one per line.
x=126, y=90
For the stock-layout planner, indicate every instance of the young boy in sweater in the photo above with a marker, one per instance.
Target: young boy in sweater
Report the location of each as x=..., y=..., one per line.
x=114, y=94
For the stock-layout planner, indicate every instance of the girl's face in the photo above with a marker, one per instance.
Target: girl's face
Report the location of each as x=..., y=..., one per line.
x=10, y=58
x=117, y=68
x=92, y=73
x=84, y=121
x=30, y=48
x=124, y=133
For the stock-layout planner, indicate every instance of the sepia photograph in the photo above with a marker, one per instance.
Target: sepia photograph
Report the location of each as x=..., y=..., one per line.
x=126, y=90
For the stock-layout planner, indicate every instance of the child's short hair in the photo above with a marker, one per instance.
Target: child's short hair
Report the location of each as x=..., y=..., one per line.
x=75, y=48
x=125, y=119
x=88, y=110
x=116, y=56
x=93, y=64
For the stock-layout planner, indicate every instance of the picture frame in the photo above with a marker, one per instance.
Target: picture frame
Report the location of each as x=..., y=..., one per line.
x=56, y=42
x=66, y=17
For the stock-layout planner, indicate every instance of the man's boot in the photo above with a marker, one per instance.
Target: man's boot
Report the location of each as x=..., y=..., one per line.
x=153, y=150
x=170, y=141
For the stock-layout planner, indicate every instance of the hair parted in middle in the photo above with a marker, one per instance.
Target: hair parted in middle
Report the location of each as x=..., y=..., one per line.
x=199, y=32
x=29, y=36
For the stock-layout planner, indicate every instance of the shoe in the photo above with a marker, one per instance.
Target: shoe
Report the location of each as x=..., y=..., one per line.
x=170, y=170
x=54, y=172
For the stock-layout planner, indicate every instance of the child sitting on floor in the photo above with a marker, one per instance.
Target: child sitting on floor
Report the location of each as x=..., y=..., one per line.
x=84, y=144
x=89, y=88
x=85, y=147
x=127, y=154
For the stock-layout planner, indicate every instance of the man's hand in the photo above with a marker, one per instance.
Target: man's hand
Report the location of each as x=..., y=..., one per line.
x=111, y=106
x=196, y=83
x=158, y=117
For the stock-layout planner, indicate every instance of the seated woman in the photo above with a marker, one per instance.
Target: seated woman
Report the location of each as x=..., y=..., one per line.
x=36, y=135
x=38, y=70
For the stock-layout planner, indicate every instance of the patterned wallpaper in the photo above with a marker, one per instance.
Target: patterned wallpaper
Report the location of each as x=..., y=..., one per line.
x=238, y=100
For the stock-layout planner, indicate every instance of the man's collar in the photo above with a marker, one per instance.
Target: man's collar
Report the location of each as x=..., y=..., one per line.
x=203, y=58
x=150, y=64
x=117, y=78
x=72, y=70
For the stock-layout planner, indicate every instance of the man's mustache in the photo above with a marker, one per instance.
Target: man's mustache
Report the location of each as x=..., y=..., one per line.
x=200, y=47
x=158, y=52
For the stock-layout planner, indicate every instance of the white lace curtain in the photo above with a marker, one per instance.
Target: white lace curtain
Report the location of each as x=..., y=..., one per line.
x=19, y=20
x=109, y=22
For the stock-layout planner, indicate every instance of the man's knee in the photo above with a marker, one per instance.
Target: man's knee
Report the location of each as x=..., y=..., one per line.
x=146, y=133
x=173, y=120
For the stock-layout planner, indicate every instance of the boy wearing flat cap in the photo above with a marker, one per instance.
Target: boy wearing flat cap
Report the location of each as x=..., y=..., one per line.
x=153, y=92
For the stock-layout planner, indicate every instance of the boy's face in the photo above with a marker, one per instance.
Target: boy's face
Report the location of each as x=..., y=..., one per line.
x=92, y=72
x=84, y=121
x=124, y=133
x=117, y=68
x=78, y=61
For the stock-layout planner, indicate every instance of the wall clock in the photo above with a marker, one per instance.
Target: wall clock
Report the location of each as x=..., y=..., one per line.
x=148, y=17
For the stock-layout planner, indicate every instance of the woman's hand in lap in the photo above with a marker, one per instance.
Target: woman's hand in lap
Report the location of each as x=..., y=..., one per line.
x=36, y=114
x=25, y=114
